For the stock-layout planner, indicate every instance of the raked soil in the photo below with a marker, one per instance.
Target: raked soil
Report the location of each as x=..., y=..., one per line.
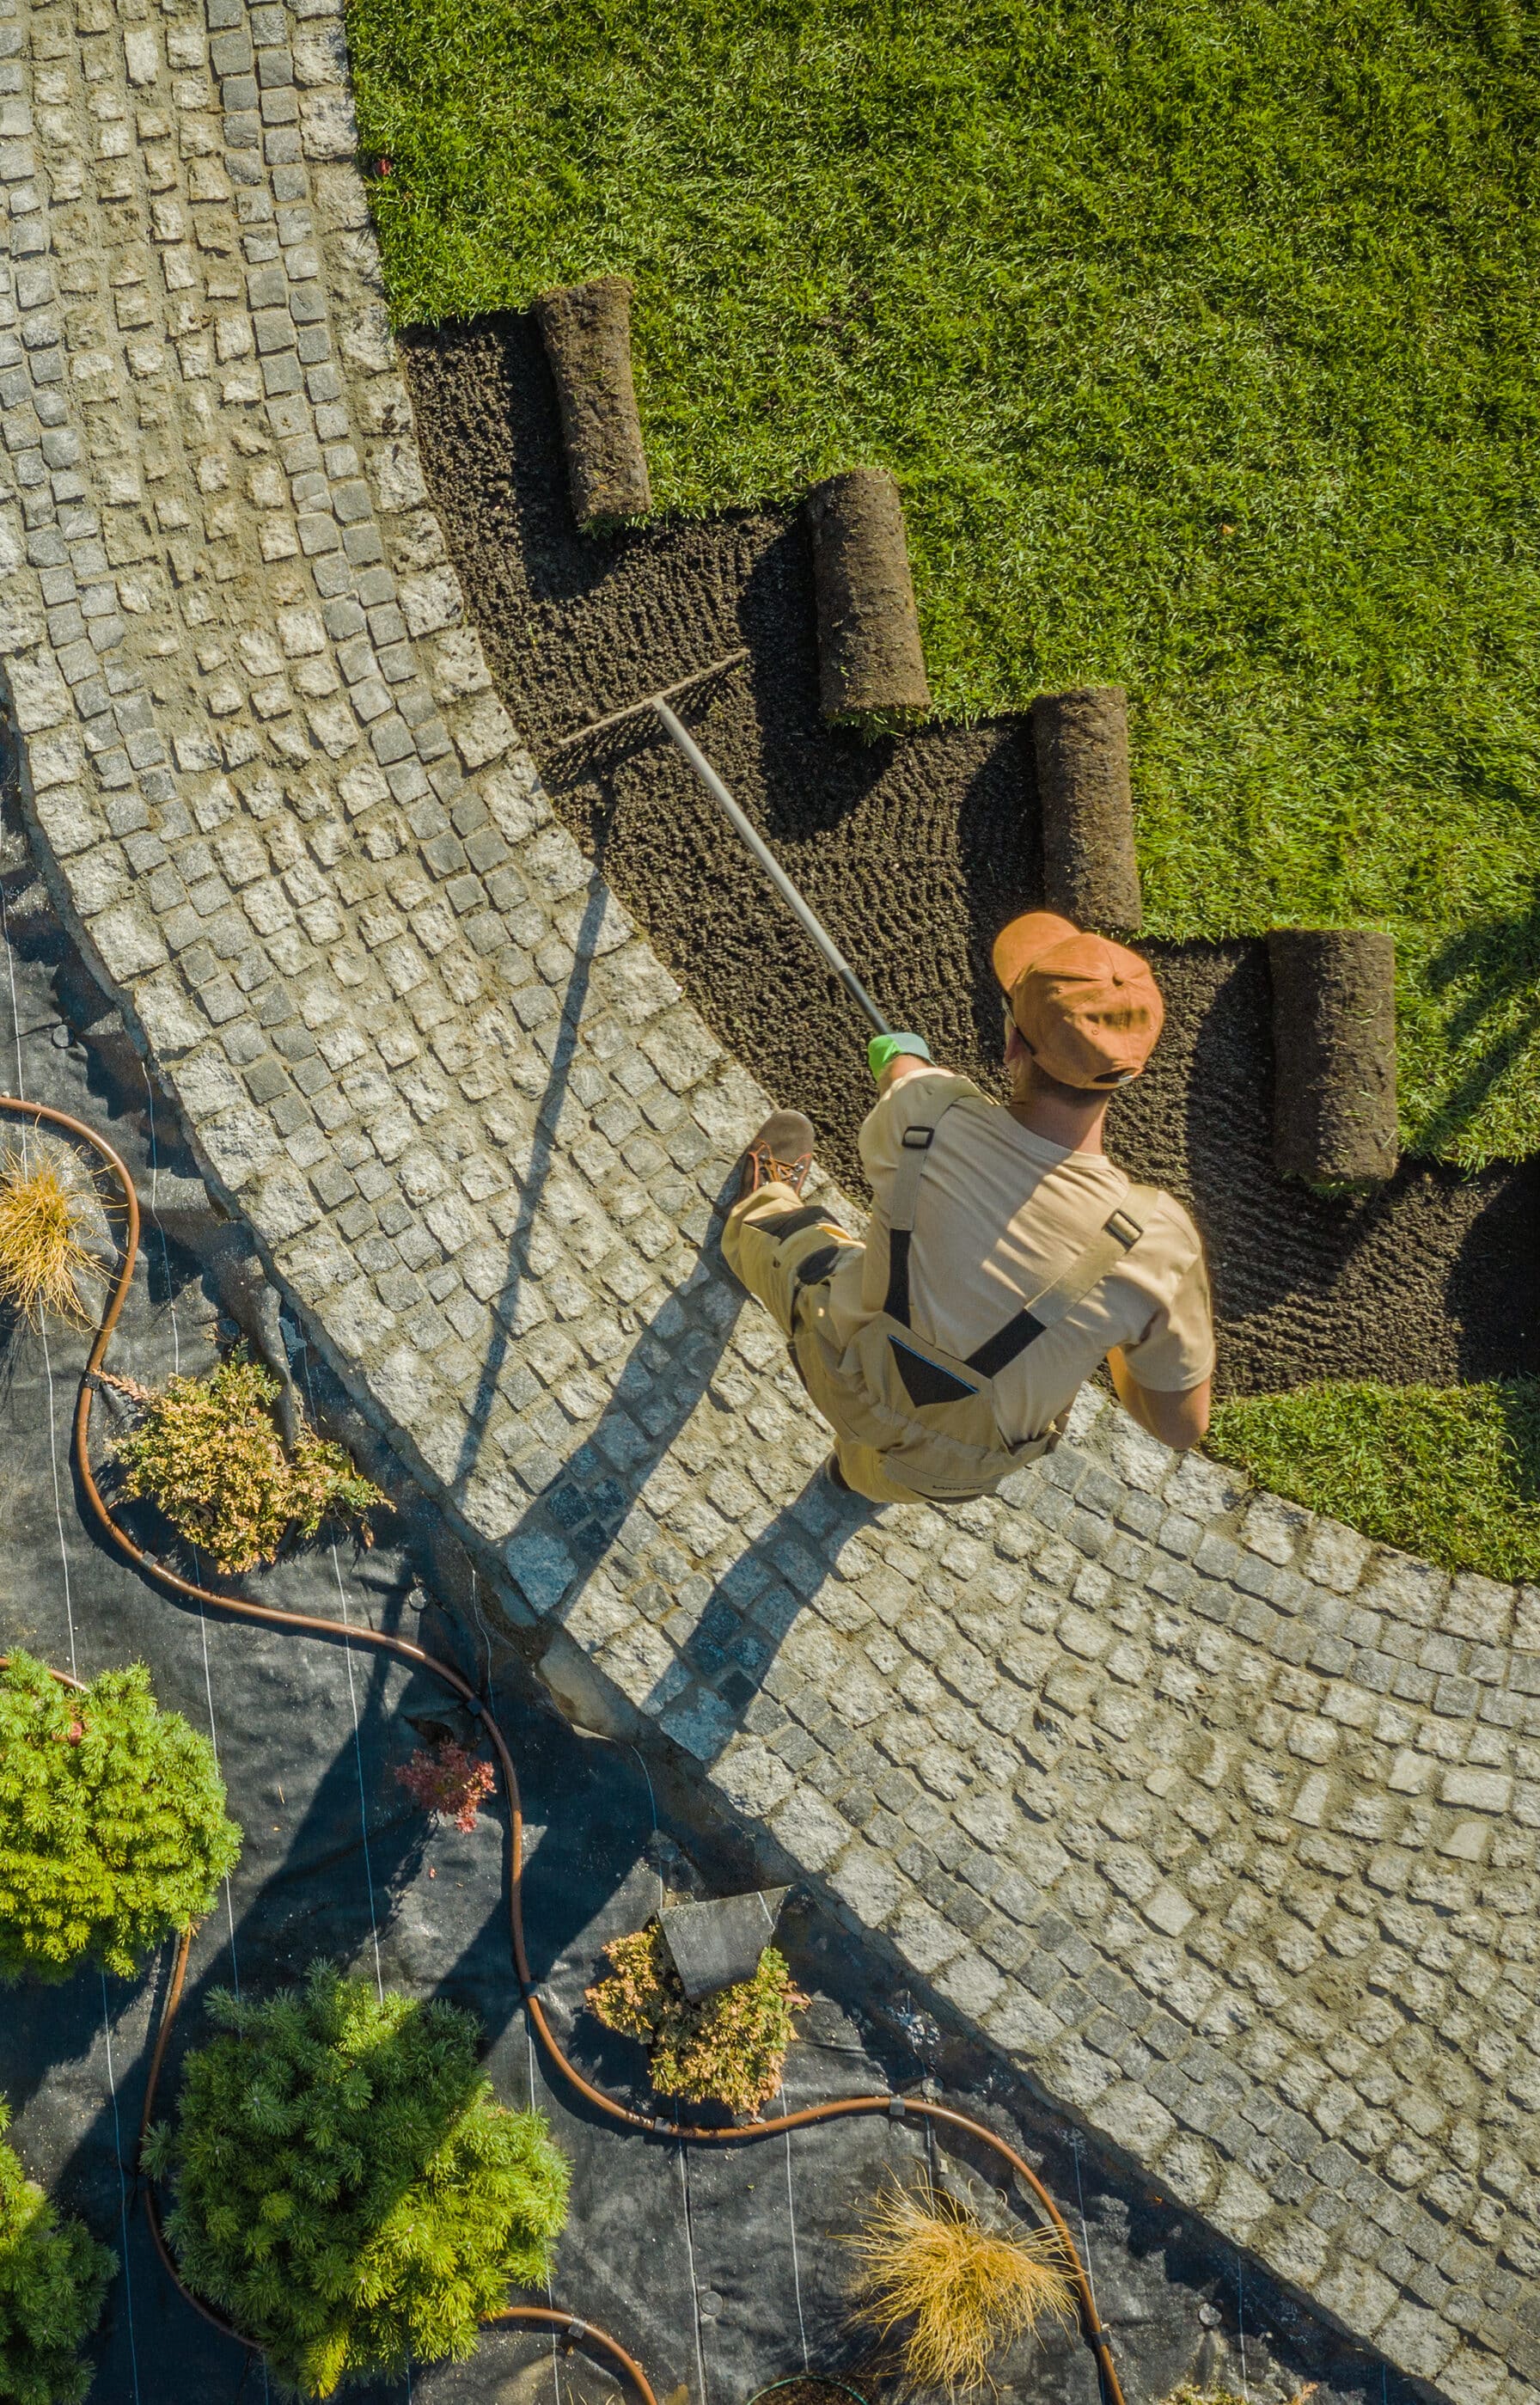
x=915, y=851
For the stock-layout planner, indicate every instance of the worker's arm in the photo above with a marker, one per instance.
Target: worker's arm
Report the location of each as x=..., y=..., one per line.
x=1180, y=1421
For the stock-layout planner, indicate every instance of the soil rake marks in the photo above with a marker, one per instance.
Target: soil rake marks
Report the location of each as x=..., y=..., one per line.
x=684, y=742
x=572, y=2328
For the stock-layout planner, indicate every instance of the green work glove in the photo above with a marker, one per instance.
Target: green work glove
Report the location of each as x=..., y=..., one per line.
x=883, y=1049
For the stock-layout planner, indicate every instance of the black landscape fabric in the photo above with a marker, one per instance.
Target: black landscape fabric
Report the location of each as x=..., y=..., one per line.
x=914, y=851
x=721, y=2272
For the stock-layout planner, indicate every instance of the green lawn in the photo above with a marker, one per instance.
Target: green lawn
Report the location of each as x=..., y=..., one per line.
x=1452, y=1474
x=1203, y=338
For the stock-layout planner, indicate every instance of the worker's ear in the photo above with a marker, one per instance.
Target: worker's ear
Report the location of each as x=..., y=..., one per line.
x=1017, y=1046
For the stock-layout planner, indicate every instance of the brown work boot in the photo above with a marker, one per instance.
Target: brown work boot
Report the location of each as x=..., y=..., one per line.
x=781, y=1153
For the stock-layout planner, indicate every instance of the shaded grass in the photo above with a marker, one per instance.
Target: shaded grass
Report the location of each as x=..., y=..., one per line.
x=1453, y=1473
x=1201, y=336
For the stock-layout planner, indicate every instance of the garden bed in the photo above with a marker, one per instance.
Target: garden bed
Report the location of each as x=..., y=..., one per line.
x=717, y=2271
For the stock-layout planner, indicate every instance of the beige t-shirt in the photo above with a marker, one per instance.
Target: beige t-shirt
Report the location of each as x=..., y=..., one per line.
x=1001, y=1213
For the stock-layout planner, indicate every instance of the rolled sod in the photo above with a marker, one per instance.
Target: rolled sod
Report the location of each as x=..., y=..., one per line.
x=587, y=333
x=870, y=664
x=1090, y=871
x=1334, y=1052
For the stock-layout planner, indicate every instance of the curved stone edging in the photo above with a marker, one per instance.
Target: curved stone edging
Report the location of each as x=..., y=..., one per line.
x=1221, y=1822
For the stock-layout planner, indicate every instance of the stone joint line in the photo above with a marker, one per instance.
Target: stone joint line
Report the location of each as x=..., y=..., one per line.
x=1220, y=1821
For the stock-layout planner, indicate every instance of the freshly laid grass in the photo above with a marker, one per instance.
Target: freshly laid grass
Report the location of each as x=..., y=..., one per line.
x=1200, y=335
x=930, y=2268
x=1450, y=1473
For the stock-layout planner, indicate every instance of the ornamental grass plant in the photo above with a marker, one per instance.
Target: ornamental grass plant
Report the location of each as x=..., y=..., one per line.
x=346, y=2187
x=54, y=2277
x=208, y=1453
x=112, y=1822
x=729, y=2050
x=42, y=1212
x=928, y=2268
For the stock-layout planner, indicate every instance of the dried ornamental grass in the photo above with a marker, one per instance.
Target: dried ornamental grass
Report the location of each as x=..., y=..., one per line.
x=41, y=1255
x=927, y=2265
x=728, y=2049
x=209, y=1455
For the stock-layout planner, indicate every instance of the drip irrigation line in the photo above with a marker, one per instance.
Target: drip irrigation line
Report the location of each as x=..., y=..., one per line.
x=929, y=2115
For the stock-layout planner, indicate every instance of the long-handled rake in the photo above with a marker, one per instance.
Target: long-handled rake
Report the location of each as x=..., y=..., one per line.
x=680, y=736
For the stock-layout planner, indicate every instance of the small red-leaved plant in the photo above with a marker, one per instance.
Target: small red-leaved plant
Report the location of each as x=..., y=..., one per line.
x=448, y=1781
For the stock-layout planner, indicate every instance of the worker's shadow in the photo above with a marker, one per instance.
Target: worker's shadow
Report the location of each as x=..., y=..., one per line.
x=716, y=1632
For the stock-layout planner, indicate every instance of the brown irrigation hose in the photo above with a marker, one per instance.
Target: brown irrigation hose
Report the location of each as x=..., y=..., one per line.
x=895, y=2107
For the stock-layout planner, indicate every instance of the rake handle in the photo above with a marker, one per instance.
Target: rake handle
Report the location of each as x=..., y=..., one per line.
x=680, y=736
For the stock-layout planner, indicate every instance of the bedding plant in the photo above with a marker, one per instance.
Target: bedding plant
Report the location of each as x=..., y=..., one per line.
x=345, y=2185
x=208, y=1453
x=729, y=2050
x=113, y=1830
x=53, y=2278
x=1201, y=337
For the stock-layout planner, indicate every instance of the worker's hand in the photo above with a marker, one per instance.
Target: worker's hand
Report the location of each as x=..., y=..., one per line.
x=883, y=1050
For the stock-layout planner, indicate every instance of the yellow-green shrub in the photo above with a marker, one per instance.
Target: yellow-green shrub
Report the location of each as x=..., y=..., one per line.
x=728, y=2049
x=208, y=1453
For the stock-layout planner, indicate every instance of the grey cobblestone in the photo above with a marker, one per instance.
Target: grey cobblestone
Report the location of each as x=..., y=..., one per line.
x=1220, y=1820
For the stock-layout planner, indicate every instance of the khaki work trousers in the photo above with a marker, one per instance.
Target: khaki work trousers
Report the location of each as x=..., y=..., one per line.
x=767, y=1266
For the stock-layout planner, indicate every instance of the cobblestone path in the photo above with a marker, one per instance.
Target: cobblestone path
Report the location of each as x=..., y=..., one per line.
x=1220, y=1821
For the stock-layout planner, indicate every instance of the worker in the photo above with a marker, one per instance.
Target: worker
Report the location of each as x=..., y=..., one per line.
x=1005, y=1256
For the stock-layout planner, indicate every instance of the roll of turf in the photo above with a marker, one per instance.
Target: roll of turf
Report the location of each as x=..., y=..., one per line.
x=1334, y=1053
x=1090, y=871
x=587, y=333
x=870, y=664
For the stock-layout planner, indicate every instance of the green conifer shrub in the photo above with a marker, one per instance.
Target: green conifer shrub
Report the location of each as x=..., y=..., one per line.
x=112, y=1822
x=346, y=2187
x=53, y=2276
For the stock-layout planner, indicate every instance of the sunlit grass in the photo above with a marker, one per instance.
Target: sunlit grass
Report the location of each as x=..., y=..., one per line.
x=1200, y=335
x=41, y=1255
x=1452, y=1474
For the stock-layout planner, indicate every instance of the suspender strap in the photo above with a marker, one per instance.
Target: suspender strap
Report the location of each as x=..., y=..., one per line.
x=1117, y=1234
x=900, y=1212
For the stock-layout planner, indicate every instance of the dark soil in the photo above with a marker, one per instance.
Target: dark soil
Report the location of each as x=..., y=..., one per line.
x=916, y=850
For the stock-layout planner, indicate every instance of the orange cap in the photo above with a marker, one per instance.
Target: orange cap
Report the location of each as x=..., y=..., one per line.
x=1088, y=1009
